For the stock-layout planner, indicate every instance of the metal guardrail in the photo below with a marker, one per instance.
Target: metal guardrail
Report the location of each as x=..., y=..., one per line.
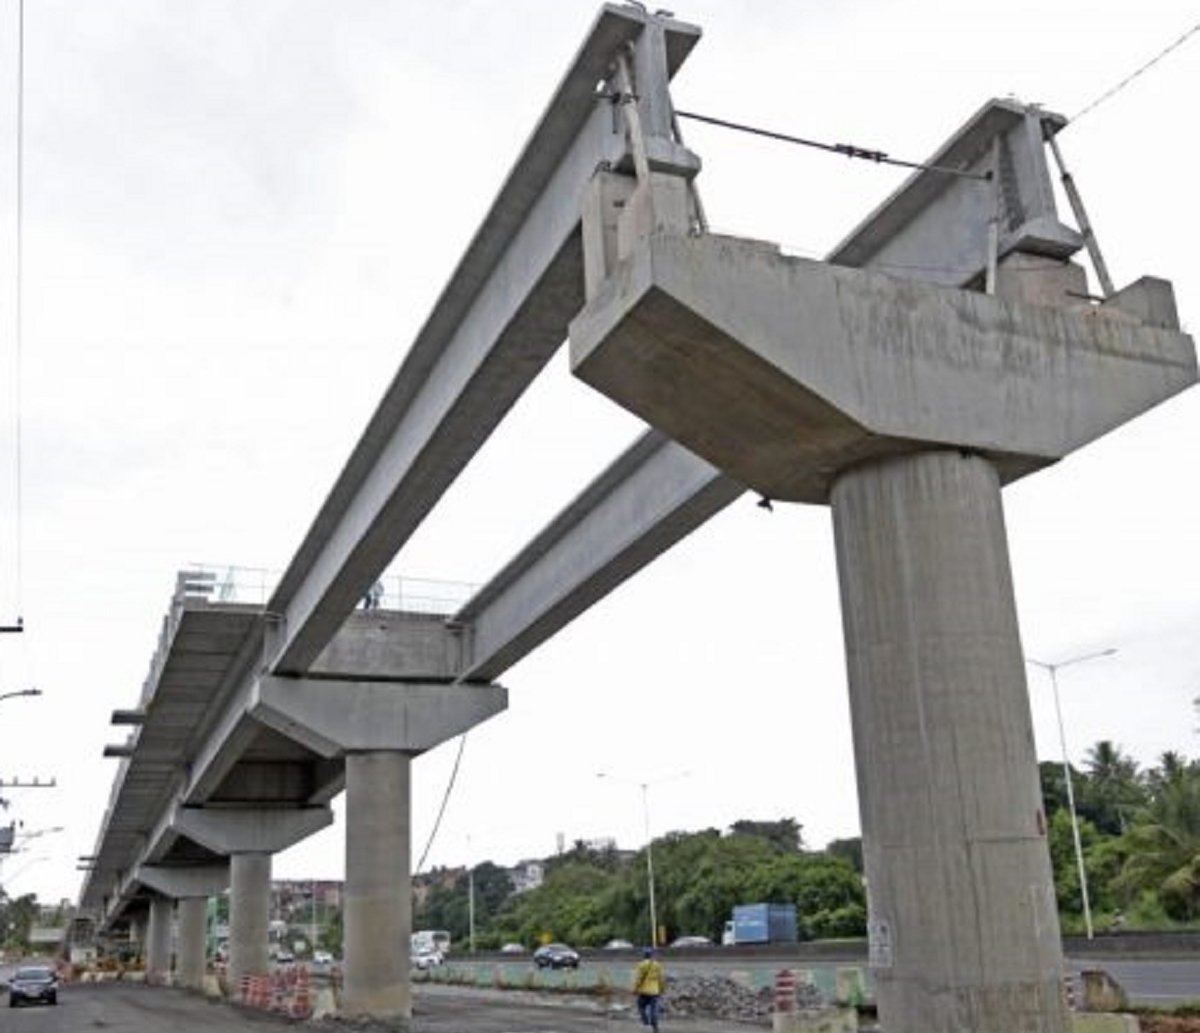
x=255, y=585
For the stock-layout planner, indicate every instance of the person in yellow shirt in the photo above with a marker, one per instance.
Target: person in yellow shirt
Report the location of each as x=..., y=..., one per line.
x=648, y=982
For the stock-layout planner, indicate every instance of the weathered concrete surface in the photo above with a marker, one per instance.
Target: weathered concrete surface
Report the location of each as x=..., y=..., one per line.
x=158, y=945
x=381, y=645
x=652, y=496
x=249, y=908
x=813, y=368
x=331, y=717
x=191, y=915
x=964, y=927
x=176, y=882
x=934, y=227
x=378, y=919
x=250, y=830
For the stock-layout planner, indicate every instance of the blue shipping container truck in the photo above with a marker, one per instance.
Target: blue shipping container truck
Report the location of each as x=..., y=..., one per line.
x=761, y=923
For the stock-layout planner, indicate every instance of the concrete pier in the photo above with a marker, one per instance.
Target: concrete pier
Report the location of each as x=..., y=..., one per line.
x=192, y=914
x=378, y=918
x=964, y=930
x=249, y=904
x=158, y=946
x=904, y=407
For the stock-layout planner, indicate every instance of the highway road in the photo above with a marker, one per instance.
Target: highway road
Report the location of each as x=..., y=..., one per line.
x=1151, y=982
x=134, y=1008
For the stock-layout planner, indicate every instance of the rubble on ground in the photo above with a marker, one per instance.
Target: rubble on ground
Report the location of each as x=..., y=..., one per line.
x=720, y=997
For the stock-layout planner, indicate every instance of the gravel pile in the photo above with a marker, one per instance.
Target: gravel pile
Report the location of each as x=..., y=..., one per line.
x=722, y=998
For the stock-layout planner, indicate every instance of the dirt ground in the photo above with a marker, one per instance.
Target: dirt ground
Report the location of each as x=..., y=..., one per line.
x=1155, y=1022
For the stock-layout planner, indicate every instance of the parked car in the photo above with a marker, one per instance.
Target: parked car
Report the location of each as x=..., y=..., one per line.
x=556, y=955
x=618, y=945
x=322, y=958
x=512, y=948
x=691, y=941
x=426, y=959
x=32, y=984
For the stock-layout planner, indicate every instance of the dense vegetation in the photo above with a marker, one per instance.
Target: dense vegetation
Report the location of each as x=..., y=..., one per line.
x=1140, y=832
x=590, y=896
x=17, y=916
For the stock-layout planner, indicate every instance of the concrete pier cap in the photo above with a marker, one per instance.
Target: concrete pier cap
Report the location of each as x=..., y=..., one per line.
x=784, y=371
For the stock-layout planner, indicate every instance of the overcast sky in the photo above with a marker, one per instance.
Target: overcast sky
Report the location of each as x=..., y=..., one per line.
x=236, y=216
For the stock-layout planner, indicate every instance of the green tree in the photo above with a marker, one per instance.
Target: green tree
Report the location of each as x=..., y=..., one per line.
x=1164, y=844
x=784, y=833
x=1111, y=789
x=17, y=916
x=1054, y=789
x=849, y=850
x=1065, y=864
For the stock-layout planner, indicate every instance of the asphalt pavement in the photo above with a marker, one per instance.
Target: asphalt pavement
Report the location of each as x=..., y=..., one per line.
x=136, y=1008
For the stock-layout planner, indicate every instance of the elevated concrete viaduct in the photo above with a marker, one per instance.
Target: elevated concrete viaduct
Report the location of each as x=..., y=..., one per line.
x=942, y=351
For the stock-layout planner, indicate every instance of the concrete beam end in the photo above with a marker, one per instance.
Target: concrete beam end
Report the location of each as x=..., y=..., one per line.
x=249, y=830
x=333, y=717
x=181, y=882
x=783, y=371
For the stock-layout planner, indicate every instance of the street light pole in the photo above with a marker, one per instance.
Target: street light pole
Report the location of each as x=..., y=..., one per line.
x=650, y=864
x=312, y=917
x=645, y=788
x=1053, y=669
x=471, y=904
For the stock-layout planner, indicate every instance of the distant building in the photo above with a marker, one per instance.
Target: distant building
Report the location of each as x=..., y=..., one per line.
x=527, y=875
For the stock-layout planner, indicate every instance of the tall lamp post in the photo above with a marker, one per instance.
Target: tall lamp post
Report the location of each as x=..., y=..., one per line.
x=1053, y=670
x=645, y=788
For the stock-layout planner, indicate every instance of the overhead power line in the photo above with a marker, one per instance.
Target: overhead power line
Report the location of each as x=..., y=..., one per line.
x=1114, y=90
x=847, y=150
x=18, y=326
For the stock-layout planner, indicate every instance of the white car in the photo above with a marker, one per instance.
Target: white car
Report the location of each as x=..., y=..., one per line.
x=426, y=959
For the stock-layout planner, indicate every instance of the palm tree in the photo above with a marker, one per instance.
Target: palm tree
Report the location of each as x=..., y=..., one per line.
x=1112, y=788
x=1164, y=843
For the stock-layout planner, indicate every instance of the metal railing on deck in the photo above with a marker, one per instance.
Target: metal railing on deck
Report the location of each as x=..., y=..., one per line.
x=254, y=586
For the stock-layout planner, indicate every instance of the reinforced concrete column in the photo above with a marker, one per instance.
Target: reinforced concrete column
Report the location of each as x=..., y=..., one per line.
x=378, y=914
x=249, y=906
x=193, y=930
x=137, y=933
x=963, y=926
x=158, y=945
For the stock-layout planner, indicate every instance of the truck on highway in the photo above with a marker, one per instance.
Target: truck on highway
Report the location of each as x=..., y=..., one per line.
x=761, y=923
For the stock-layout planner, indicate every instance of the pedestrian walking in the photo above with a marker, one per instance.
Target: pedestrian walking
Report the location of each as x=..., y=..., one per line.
x=648, y=983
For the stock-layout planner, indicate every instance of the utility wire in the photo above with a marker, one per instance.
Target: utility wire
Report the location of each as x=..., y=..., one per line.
x=19, y=315
x=1113, y=91
x=437, y=824
x=18, y=320
x=849, y=150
